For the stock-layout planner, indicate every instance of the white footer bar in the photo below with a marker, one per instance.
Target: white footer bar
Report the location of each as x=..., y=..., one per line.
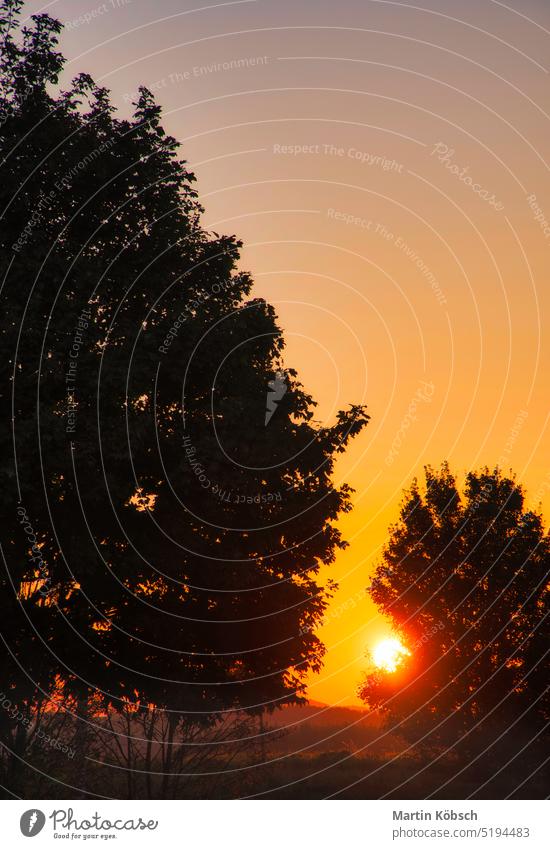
x=276, y=824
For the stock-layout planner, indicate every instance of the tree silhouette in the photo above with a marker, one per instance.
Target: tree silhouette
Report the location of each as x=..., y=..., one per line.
x=161, y=540
x=464, y=579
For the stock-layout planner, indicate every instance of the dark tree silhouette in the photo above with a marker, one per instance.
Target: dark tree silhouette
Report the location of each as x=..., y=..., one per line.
x=161, y=542
x=464, y=579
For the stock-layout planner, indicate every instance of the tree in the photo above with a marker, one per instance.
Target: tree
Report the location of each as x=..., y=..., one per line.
x=169, y=543
x=464, y=580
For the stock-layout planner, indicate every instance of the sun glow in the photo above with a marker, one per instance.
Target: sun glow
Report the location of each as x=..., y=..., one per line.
x=389, y=654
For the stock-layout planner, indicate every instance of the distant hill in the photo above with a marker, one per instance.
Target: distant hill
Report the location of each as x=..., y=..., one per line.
x=315, y=727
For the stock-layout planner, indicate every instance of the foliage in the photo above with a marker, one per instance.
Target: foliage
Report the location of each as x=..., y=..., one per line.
x=161, y=544
x=465, y=580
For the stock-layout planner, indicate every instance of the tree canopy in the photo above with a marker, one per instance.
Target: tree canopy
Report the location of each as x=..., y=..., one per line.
x=161, y=542
x=465, y=580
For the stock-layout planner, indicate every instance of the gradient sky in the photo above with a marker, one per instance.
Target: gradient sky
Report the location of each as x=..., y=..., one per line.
x=389, y=273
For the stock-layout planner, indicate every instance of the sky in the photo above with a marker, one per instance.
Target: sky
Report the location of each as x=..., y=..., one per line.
x=386, y=166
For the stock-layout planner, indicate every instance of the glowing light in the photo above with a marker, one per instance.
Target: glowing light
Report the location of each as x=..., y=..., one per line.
x=389, y=654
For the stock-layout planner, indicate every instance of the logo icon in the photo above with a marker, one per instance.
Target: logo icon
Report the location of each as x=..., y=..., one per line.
x=277, y=388
x=32, y=822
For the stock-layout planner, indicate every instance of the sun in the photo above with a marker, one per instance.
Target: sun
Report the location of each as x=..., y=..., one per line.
x=389, y=654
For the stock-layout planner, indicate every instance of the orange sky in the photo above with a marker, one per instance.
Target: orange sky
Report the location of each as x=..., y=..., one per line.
x=312, y=128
